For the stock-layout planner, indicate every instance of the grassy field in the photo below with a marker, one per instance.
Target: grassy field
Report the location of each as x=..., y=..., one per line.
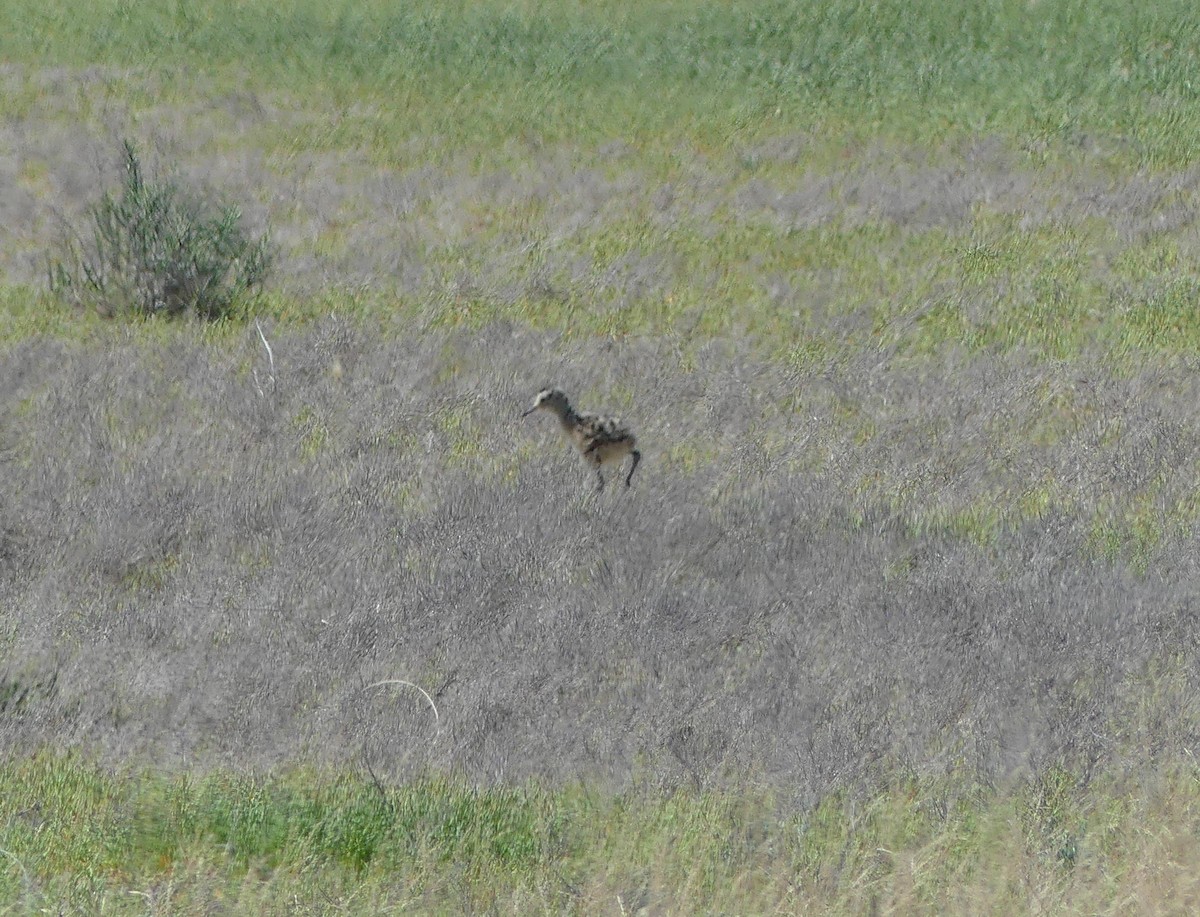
x=900, y=614
x=90, y=841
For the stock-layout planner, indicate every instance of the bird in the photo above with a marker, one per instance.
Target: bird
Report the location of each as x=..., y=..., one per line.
x=600, y=439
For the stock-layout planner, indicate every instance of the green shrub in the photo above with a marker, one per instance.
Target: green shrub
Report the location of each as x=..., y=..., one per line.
x=156, y=249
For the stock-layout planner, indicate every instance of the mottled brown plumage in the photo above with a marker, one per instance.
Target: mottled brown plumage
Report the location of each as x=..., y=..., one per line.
x=600, y=440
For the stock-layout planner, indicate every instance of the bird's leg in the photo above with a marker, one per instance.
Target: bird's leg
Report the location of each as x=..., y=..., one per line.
x=637, y=457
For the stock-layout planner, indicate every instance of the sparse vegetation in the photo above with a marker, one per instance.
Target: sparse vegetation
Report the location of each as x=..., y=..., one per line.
x=898, y=614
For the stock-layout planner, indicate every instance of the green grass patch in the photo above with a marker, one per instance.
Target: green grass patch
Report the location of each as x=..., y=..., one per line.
x=76, y=834
x=1045, y=75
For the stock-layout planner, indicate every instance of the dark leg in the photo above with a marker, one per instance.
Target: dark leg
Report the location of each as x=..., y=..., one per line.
x=600, y=478
x=637, y=457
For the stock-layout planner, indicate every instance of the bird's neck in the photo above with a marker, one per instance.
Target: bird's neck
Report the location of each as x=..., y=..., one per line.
x=567, y=417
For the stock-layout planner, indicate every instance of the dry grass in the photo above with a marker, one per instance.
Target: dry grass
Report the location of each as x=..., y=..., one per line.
x=980, y=565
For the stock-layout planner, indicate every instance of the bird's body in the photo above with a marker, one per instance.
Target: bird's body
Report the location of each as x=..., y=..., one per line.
x=600, y=440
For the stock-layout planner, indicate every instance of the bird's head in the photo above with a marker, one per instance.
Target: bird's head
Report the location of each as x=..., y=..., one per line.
x=550, y=399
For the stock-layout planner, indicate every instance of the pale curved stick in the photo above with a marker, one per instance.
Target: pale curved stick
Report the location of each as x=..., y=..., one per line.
x=270, y=358
x=400, y=681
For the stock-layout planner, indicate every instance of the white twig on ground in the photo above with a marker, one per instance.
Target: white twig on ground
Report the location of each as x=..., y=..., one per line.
x=270, y=360
x=399, y=681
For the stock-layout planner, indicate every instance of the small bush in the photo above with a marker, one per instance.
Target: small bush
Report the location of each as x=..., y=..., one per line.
x=155, y=249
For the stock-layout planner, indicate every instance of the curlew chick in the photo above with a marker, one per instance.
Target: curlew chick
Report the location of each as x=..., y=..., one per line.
x=600, y=440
